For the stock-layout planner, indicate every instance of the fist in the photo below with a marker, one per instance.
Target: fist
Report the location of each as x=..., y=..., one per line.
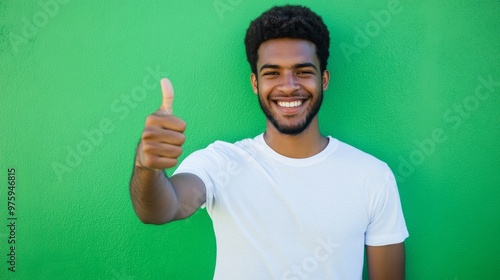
x=163, y=135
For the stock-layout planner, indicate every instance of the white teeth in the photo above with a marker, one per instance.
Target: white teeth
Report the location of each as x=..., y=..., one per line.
x=289, y=104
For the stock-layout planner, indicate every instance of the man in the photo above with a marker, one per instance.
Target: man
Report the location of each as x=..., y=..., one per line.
x=289, y=203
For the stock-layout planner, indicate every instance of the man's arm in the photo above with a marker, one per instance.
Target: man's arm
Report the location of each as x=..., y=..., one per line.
x=386, y=262
x=157, y=199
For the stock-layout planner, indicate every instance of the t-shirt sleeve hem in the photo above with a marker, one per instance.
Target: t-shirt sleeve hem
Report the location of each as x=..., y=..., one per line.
x=208, y=186
x=387, y=239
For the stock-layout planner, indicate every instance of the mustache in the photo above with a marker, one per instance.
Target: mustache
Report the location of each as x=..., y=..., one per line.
x=302, y=95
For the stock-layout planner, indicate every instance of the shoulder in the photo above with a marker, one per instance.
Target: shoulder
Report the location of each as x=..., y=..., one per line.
x=363, y=168
x=240, y=148
x=352, y=155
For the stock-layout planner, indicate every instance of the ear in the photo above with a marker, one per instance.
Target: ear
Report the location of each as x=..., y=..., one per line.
x=325, y=80
x=253, y=81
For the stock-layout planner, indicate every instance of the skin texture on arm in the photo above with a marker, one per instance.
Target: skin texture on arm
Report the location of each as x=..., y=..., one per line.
x=157, y=199
x=386, y=262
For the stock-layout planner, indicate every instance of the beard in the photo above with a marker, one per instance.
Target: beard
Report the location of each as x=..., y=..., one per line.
x=293, y=129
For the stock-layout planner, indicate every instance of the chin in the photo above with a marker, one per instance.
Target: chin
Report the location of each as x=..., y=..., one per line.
x=290, y=130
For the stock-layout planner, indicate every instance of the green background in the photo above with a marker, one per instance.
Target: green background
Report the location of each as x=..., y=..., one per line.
x=78, y=78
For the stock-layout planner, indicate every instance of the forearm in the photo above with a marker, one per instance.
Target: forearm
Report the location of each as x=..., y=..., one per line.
x=153, y=197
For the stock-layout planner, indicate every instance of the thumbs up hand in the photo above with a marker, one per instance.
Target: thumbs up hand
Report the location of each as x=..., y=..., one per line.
x=163, y=134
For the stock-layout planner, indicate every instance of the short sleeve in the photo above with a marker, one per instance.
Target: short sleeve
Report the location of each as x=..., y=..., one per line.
x=200, y=164
x=387, y=224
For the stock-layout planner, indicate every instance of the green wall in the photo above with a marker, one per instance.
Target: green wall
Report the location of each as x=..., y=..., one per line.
x=415, y=83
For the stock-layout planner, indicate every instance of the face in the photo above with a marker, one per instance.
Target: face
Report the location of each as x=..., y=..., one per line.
x=289, y=84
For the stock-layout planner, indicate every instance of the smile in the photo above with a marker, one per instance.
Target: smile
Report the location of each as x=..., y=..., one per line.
x=290, y=104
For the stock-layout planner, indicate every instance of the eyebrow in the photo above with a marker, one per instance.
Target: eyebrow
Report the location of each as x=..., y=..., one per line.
x=295, y=66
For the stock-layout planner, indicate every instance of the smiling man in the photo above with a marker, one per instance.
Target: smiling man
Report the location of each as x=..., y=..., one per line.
x=290, y=203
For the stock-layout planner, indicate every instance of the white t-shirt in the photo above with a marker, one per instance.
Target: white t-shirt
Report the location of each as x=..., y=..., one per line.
x=276, y=217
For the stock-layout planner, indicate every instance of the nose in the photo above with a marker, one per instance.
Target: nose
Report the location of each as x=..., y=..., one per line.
x=288, y=83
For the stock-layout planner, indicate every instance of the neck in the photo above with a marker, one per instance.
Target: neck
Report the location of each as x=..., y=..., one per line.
x=306, y=144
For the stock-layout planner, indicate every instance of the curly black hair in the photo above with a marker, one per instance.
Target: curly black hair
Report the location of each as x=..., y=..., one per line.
x=289, y=21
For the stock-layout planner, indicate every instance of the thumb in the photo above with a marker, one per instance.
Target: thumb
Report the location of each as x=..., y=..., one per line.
x=167, y=91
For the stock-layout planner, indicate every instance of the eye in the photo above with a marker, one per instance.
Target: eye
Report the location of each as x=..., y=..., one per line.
x=305, y=72
x=271, y=73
